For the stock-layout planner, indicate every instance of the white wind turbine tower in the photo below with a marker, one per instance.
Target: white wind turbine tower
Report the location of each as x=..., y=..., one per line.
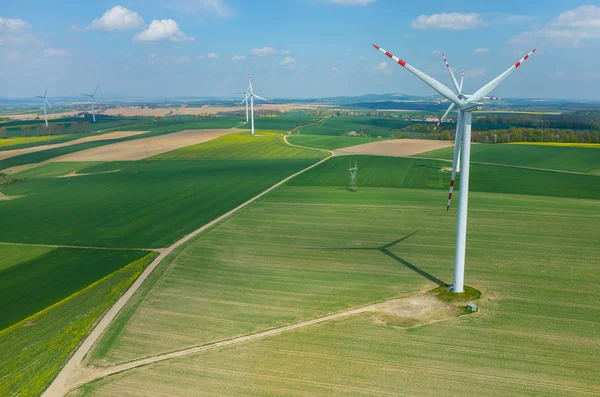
x=466, y=105
x=250, y=95
x=44, y=103
x=94, y=102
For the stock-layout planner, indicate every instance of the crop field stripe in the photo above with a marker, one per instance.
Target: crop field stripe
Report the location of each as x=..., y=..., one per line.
x=60, y=385
x=81, y=247
x=33, y=351
x=39, y=282
x=61, y=302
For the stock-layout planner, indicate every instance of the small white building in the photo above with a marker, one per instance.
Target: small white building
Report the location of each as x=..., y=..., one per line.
x=471, y=307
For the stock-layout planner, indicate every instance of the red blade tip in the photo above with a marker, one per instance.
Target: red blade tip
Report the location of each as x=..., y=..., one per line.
x=447, y=208
x=534, y=50
x=376, y=46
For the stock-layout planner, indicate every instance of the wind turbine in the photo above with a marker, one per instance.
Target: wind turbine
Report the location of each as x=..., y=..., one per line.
x=250, y=95
x=44, y=102
x=245, y=100
x=466, y=105
x=94, y=99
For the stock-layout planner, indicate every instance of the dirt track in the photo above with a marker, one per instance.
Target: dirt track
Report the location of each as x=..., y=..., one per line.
x=111, y=135
x=73, y=372
x=395, y=147
x=140, y=148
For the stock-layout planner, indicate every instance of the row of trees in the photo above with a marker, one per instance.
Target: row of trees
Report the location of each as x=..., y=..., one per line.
x=517, y=134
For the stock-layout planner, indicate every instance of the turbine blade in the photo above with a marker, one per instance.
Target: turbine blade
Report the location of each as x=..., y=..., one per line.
x=259, y=97
x=46, y=93
x=462, y=78
x=486, y=89
x=443, y=117
x=430, y=81
x=95, y=90
x=48, y=103
x=243, y=100
x=451, y=75
x=456, y=158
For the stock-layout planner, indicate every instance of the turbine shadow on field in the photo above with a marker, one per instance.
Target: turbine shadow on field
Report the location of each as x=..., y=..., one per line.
x=385, y=250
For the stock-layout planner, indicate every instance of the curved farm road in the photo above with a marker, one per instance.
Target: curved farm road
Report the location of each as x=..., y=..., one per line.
x=421, y=308
x=70, y=377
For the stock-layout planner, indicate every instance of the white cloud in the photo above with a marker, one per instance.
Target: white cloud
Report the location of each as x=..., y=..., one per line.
x=569, y=29
x=481, y=50
x=352, y=2
x=53, y=52
x=475, y=72
x=219, y=8
x=238, y=58
x=182, y=59
x=361, y=58
x=261, y=52
x=117, y=19
x=14, y=31
x=286, y=52
x=288, y=62
x=210, y=55
x=383, y=67
x=12, y=25
x=165, y=29
x=435, y=52
x=451, y=21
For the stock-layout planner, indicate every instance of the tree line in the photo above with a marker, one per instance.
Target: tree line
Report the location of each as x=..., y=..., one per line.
x=516, y=134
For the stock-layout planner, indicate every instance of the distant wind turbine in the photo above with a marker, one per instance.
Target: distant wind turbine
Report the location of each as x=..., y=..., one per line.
x=466, y=105
x=44, y=103
x=250, y=95
x=94, y=102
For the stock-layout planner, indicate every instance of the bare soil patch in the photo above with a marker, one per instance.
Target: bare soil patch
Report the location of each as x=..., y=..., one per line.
x=111, y=135
x=140, y=148
x=413, y=311
x=395, y=147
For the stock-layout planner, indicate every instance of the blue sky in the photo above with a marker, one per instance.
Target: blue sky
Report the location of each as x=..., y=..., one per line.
x=294, y=48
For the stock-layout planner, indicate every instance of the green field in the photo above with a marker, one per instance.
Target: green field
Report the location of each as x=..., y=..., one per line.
x=33, y=351
x=141, y=206
x=32, y=285
x=328, y=142
x=242, y=146
x=373, y=126
x=423, y=173
x=564, y=158
x=278, y=123
x=11, y=255
x=306, y=250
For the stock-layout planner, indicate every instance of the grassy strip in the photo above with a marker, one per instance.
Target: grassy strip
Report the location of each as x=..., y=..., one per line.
x=328, y=142
x=555, y=157
x=35, y=284
x=34, y=350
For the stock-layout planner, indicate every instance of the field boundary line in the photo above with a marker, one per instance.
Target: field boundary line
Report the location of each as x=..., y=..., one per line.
x=504, y=165
x=63, y=383
x=83, y=247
